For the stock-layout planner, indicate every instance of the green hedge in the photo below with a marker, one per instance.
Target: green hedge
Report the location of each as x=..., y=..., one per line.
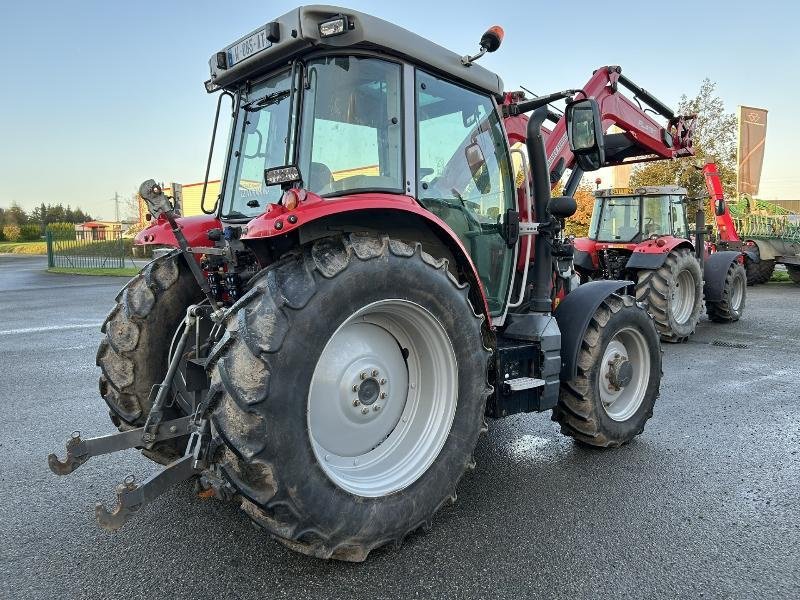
x=62, y=230
x=30, y=233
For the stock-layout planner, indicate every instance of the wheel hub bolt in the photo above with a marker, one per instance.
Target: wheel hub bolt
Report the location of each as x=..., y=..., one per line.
x=355, y=388
x=356, y=402
x=383, y=381
x=620, y=372
x=375, y=372
x=363, y=376
x=376, y=408
x=364, y=410
x=383, y=395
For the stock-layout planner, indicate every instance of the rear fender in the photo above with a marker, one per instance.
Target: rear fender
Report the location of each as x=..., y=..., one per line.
x=766, y=251
x=377, y=212
x=159, y=232
x=573, y=316
x=651, y=255
x=715, y=270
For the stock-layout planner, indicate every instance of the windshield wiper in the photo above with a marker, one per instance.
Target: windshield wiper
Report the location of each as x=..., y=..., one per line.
x=235, y=214
x=267, y=100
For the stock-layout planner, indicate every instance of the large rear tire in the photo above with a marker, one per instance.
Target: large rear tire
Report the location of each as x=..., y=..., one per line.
x=734, y=295
x=619, y=374
x=759, y=271
x=349, y=390
x=138, y=331
x=673, y=295
x=794, y=273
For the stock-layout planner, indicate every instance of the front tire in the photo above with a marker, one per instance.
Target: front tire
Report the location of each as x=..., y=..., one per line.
x=320, y=340
x=673, y=295
x=619, y=374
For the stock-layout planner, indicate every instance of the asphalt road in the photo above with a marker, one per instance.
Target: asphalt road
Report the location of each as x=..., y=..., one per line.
x=705, y=503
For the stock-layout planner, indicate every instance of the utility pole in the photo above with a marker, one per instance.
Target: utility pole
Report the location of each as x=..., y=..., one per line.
x=116, y=207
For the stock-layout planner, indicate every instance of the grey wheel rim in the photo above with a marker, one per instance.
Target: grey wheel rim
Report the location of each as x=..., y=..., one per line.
x=382, y=398
x=737, y=293
x=683, y=297
x=624, y=374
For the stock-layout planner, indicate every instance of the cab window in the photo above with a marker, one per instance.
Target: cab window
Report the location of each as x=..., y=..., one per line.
x=463, y=174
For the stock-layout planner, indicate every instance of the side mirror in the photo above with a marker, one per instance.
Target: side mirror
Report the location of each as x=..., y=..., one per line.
x=477, y=163
x=585, y=134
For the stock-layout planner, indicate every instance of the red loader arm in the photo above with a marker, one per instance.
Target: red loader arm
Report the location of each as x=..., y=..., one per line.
x=725, y=224
x=643, y=138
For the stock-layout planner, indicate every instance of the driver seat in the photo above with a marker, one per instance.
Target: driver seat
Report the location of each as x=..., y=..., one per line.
x=319, y=177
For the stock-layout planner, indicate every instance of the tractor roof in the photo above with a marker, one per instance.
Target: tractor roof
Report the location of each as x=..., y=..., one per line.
x=650, y=190
x=298, y=32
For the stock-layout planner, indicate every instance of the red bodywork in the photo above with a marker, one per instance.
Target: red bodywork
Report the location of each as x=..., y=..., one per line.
x=312, y=208
x=725, y=225
x=196, y=229
x=615, y=108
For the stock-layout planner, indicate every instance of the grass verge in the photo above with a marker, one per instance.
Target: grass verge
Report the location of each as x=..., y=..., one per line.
x=123, y=272
x=23, y=247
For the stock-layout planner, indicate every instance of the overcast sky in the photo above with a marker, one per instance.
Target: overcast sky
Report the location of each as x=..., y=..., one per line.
x=98, y=95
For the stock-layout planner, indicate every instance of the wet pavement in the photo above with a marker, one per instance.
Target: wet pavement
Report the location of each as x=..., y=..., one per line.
x=705, y=503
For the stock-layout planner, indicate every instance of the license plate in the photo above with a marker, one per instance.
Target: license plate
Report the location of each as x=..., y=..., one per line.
x=247, y=47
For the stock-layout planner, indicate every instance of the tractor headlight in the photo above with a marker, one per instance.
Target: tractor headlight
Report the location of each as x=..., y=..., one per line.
x=333, y=27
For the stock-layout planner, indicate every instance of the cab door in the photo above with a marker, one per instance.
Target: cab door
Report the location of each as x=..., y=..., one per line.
x=464, y=176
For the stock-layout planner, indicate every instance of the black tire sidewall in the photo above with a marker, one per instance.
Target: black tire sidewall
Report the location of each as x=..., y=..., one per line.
x=288, y=448
x=628, y=317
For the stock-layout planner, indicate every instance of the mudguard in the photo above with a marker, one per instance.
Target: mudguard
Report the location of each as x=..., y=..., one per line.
x=195, y=229
x=583, y=260
x=765, y=251
x=649, y=255
x=573, y=315
x=715, y=270
x=642, y=260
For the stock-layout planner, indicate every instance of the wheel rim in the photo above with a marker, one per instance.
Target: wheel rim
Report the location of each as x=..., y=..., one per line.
x=683, y=297
x=737, y=293
x=382, y=398
x=624, y=374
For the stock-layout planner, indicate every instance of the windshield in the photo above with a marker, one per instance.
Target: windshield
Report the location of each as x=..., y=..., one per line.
x=263, y=134
x=618, y=219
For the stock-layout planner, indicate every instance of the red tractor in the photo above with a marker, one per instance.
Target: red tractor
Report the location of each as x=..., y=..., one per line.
x=324, y=346
x=643, y=235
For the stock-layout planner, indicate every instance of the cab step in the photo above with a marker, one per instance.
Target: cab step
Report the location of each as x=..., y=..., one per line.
x=523, y=383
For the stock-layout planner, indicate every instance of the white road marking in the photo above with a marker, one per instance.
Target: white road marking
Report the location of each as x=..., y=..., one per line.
x=50, y=328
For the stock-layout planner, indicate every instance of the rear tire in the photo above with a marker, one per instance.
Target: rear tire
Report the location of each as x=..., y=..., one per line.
x=138, y=332
x=292, y=411
x=673, y=295
x=794, y=273
x=759, y=271
x=734, y=295
x=590, y=408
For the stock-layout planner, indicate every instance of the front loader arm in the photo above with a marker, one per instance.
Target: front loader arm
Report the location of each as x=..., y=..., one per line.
x=642, y=138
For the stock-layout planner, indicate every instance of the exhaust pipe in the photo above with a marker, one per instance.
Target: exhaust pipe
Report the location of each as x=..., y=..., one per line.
x=543, y=250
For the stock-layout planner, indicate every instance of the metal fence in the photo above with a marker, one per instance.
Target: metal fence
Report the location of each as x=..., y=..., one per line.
x=66, y=251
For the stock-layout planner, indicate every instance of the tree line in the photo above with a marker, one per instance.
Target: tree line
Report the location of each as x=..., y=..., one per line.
x=16, y=224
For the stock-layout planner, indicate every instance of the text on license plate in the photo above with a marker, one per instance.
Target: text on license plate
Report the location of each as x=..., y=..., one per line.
x=248, y=46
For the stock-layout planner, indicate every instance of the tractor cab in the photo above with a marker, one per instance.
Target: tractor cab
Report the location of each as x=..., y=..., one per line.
x=624, y=216
x=351, y=112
